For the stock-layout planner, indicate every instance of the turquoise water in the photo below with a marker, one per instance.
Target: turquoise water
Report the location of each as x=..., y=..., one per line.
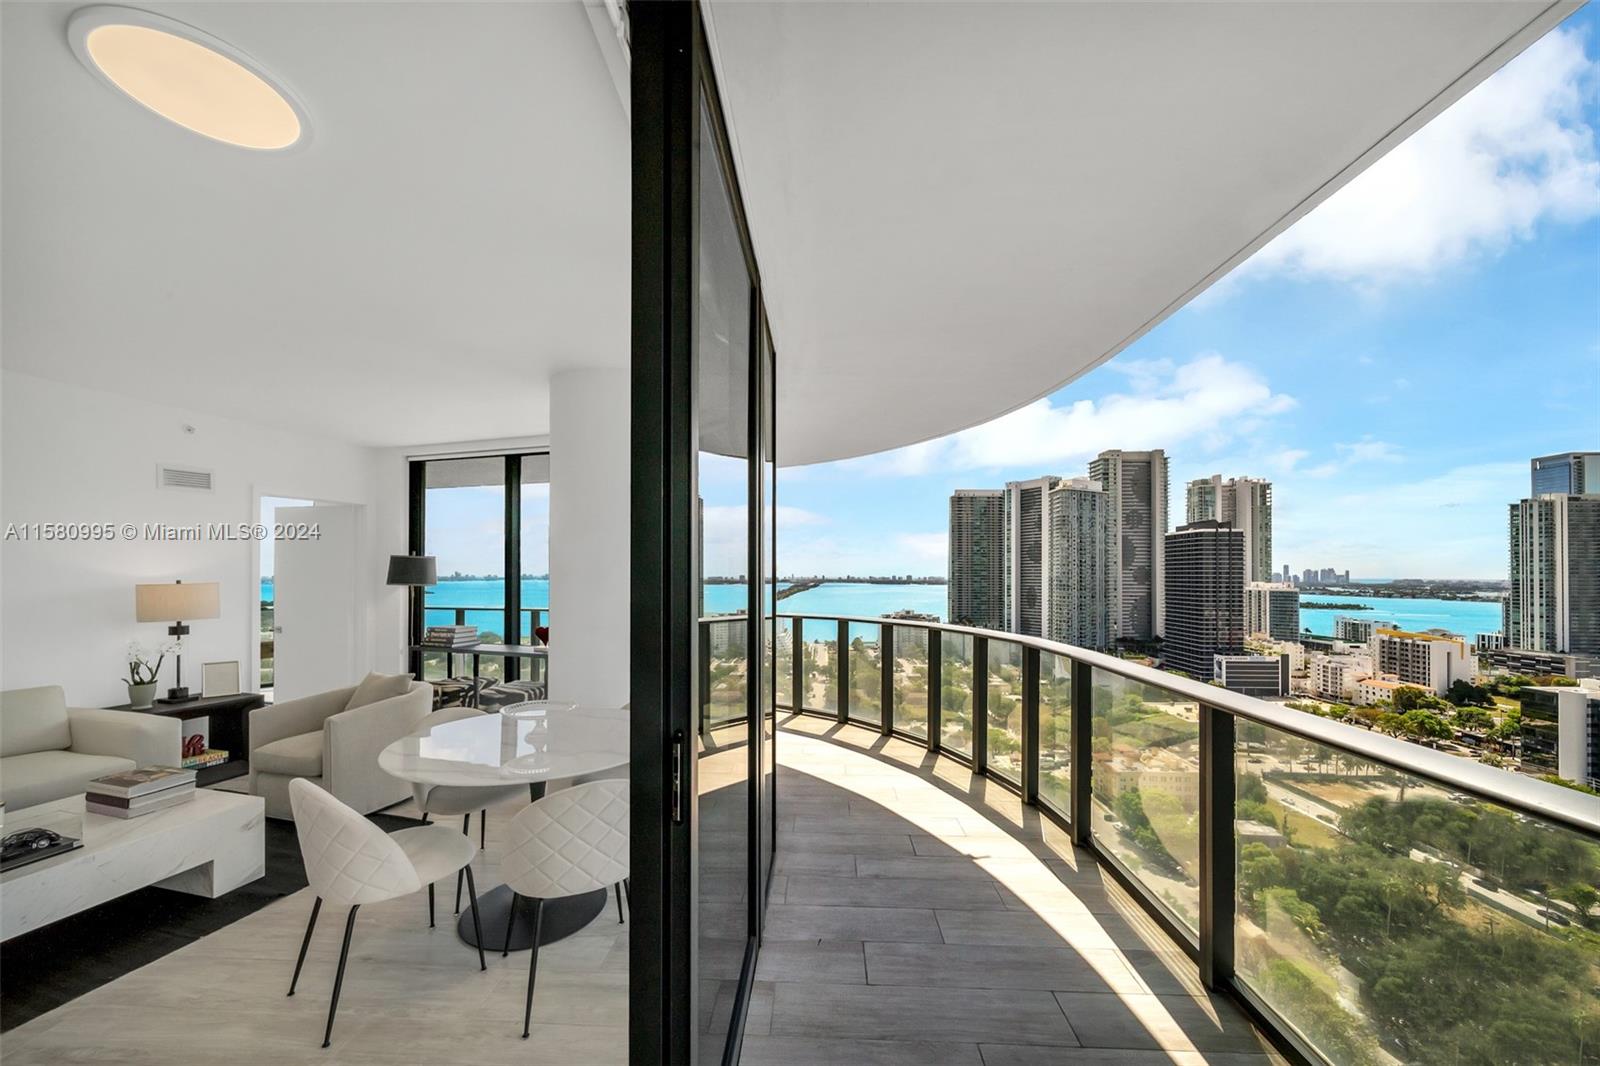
x=1467, y=617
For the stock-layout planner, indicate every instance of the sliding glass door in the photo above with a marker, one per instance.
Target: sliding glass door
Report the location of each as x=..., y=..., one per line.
x=703, y=637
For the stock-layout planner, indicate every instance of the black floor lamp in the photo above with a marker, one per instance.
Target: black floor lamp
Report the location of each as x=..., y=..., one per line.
x=416, y=572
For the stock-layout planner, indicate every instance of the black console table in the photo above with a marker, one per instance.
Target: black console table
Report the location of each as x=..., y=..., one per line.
x=229, y=718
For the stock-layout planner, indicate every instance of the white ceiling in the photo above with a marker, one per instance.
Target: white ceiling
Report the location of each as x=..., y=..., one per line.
x=956, y=207
x=456, y=228
x=959, y=207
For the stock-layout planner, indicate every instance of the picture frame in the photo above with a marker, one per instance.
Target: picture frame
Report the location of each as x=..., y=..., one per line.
x=220, y=678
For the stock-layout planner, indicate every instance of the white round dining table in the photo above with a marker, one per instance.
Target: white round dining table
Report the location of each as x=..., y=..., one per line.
x=532, y=744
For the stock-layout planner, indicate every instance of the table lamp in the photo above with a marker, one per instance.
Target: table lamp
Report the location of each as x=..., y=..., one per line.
x=173, y=603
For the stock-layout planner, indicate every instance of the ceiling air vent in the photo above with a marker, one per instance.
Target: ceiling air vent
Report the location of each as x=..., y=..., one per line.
x=184, y=477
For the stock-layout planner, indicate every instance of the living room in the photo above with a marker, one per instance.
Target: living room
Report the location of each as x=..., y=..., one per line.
x=237, y=384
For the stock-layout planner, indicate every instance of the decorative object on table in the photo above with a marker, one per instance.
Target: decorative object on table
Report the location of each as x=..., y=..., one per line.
x=142, y=674
x=219, y=678
x=31, y=845
x=137, y=792
x=450, y=637
x=197, y=754
x=173, y=603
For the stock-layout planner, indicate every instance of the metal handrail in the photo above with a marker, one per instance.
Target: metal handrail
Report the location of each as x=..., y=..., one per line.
x=1523, y=794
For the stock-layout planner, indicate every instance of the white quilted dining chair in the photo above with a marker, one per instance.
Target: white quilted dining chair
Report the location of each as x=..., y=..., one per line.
x=568, y=843
x=351, y=862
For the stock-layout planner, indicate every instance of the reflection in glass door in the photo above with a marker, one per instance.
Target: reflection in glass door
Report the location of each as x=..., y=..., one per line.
x=703, y=636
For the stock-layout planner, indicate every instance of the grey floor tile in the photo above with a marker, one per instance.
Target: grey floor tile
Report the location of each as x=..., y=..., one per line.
x=789, y=861
x=1159, y=1022
x=959, y=1015
x=838, y=962
x=810, y=1051
x=987, y=966
x=897, y=892
x=788, y=921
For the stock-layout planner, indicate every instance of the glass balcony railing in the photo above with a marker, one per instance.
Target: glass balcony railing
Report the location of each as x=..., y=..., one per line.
x=1365, y=899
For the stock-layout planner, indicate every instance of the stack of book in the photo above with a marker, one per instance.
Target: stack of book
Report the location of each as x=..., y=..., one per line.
x=205, y=757
x=450, y=636
x=136, y=792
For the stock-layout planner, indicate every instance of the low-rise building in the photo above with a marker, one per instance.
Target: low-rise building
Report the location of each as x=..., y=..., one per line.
x=1371, y=690
x=1432, y=661
x=1530, y=663
x=1357, y=630
x=1334, y=677
x=1263, y=676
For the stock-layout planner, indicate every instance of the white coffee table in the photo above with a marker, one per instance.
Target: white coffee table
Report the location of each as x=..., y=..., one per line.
x=206, y=847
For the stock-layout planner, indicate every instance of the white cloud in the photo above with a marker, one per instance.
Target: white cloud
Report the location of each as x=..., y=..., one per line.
x=923, y=548
x=1512, y=153
x=724, y=531
x=1208, y=399
x=1448, y=525
x=1365, y=450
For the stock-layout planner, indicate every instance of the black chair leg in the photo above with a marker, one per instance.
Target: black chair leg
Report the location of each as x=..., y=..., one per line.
x=533, y=966
x=477, y=927
x=338, y=978
x=430, y=904
x=511, y=920
x=483, y=829
x=618, y=888
x=466, y=831
x=316, y=908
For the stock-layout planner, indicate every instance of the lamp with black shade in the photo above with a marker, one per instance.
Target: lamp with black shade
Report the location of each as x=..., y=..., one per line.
x=415, y=572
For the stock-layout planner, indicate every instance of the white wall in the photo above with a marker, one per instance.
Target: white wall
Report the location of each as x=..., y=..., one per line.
x=75, y=454
x=590, y=489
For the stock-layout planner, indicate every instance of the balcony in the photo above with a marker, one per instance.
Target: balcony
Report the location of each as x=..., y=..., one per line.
x=1093, y=853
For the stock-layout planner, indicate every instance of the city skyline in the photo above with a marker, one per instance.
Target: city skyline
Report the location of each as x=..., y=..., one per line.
x=1356, y=362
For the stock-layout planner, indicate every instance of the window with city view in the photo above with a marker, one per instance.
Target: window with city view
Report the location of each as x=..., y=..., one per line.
x=1358, y=477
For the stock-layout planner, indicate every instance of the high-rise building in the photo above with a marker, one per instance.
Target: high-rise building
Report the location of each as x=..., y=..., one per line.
x=1567, y=474
x=1076, y=608
x=1273, y=609
x=1286, y=574
x=1245, y=503
x=977, y=558
x=1425, y=660
x=1554, y=601
x=1561, y=733
x=1204, y=574
x=1027, y=563
x=1135, y=484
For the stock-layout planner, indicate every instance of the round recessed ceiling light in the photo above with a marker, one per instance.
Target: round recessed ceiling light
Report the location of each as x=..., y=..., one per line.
x=187, y=77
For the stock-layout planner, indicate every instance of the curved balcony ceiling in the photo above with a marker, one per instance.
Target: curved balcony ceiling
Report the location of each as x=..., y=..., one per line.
x=957, y=208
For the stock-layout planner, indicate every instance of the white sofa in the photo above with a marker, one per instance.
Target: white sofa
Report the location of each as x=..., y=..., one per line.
x=49, y=751
x=334, y=745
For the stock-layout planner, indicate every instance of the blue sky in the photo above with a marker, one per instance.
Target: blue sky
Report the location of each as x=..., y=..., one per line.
x=1391, y=362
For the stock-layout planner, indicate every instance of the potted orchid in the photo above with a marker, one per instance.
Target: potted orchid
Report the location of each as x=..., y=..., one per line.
x=142, y=674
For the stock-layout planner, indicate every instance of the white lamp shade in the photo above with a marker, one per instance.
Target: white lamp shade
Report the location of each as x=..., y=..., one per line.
x=177, y=602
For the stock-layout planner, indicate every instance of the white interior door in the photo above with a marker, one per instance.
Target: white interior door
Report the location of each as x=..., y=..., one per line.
x=315, y=601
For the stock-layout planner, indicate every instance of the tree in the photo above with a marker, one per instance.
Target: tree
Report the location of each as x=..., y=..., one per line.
x=1464, y=693
x=1474, y=718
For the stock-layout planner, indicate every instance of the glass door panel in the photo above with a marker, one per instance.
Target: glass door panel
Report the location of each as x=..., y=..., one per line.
x=722, y=358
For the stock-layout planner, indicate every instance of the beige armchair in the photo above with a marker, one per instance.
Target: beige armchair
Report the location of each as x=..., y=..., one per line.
x=49, y=751
x=323, y=739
